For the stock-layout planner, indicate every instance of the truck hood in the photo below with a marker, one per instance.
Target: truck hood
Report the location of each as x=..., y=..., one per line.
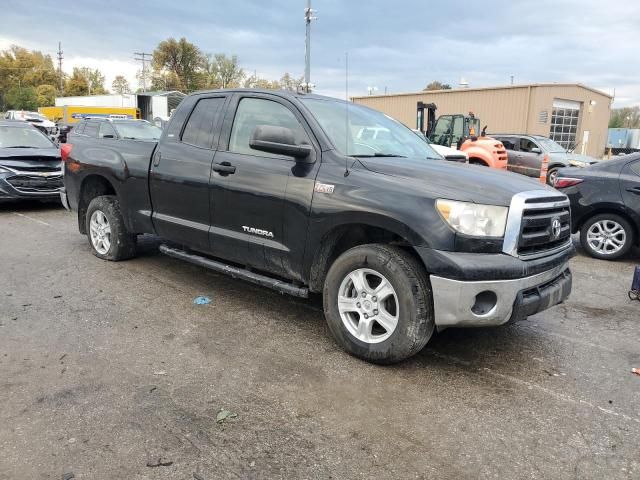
x=455, y=181
x=566, y=157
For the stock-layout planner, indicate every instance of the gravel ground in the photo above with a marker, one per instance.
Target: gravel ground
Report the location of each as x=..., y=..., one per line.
x=108, y=370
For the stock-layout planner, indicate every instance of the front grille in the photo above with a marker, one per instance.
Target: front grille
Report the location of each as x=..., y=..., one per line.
x=545, y=226
x=34, y=183
x=55, y=167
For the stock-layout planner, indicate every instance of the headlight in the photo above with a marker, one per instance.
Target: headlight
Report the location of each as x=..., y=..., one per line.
x=578, y=163
x=473, y=219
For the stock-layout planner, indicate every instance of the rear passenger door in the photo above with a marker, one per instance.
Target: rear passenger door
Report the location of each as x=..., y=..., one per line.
x=511, y=146
x=180, y=171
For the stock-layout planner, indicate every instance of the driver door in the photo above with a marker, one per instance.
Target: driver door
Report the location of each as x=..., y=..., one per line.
x=252, y=223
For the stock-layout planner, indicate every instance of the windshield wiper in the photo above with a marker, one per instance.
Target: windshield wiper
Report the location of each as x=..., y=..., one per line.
x=21, y=146
x=378, y=154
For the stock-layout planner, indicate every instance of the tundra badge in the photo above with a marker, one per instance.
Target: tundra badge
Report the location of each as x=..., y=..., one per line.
x=257, y=231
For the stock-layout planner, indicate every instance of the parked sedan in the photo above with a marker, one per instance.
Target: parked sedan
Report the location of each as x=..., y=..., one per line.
x=605, y=205
x=30, y=163
x=526, y=154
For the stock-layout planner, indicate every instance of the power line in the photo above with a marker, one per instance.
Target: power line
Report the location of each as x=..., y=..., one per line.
x=142, y=57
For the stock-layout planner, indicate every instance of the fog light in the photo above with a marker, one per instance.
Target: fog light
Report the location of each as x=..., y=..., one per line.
x=485, y=302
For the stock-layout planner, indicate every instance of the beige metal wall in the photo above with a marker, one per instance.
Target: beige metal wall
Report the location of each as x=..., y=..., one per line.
x=512, y=109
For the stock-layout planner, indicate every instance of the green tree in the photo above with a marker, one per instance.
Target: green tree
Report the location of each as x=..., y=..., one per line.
x=21, y=98
x=46, y=95
x=257, y=82
x=628, y=117
x=182, y=58
x=288, y=82
x=76, y=85
x=95, y=80
x=120, y=85
x=436, y=85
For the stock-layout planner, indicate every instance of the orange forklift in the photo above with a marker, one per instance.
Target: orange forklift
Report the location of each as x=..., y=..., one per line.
x=460, y=131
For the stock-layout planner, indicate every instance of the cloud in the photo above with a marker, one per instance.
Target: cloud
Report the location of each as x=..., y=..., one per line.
x=398, y=45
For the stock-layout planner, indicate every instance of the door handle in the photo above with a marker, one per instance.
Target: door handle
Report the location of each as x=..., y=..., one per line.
x=224, y=168
x=156, y=159
x=635, y=190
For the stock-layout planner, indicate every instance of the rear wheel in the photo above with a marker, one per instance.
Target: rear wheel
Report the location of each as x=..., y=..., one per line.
x=378, y=304
x=607, y=236
x=108, y=236
x=552, y=174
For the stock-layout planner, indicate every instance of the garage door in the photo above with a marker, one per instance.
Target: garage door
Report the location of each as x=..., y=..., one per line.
x=564, y=122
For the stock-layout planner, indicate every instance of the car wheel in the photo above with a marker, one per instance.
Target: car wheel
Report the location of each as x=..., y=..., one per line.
x=552, y=174
x=607, y=236
x=378, y=303
x=107, y=234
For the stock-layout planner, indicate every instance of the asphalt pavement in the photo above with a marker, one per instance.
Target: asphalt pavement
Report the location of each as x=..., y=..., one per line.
x=110, y=371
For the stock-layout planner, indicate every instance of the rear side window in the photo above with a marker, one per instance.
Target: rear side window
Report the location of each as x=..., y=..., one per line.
x=509, y=143
x=91, y=129
x=79, y=128
x=199, y=128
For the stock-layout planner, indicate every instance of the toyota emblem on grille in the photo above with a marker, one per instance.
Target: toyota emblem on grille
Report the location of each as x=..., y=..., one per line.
x=556, y=227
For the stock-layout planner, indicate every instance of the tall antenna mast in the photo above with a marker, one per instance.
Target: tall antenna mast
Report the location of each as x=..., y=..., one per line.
x=60, y=57
x=308, y=16
x=142, y=57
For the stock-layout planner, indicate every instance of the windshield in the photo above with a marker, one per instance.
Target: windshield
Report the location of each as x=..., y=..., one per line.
x=16, y=137
x=368, y=133
x=549, y=145
x=137, y=130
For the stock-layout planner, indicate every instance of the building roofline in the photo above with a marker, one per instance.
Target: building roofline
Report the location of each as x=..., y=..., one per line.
x=476, y=89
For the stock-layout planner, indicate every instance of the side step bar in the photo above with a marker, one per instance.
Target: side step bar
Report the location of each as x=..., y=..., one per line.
x=235, y=272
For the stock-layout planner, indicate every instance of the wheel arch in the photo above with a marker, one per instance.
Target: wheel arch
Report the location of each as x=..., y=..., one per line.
x=92, y=186
x=621, y=212
x=344, y=236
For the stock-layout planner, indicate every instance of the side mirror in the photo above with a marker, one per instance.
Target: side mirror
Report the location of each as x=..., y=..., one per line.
x=278, y=140
x=536, y=150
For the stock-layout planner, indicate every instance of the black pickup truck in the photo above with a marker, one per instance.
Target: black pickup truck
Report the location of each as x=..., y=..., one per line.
x=279, y=188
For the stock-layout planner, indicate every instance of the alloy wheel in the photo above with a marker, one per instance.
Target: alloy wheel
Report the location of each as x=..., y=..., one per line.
x=606, y=237
x=368, y=305
x=100, y=232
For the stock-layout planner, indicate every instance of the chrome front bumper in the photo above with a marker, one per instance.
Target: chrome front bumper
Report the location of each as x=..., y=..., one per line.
x=491, y=303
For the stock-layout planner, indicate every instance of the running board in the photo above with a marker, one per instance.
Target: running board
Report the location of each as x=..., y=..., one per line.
x=235, y=272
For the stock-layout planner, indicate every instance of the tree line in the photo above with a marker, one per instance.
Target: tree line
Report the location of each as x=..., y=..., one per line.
x=628, y=117
x=29, y=79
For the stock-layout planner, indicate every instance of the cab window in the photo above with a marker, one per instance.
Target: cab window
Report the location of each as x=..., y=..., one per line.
x=106, y=130
x=91, y=129
x=252, y=112
x=509, y=143
x=527, y=145
x=200, y=126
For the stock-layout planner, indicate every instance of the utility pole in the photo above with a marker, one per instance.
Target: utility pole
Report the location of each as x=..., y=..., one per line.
x=142, y=57
x=60, y=57
x=308, y=16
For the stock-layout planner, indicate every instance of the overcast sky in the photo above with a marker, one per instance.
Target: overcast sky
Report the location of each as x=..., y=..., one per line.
x=397, y=45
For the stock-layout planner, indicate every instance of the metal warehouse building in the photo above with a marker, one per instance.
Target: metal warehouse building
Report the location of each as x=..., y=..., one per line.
x=571, y=114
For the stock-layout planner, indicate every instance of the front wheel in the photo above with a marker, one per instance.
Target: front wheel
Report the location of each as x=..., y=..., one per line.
x=607, y=236
x=552, y=174
x=378, y=304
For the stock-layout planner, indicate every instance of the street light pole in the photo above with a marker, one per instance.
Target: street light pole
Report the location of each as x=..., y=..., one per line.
x=308, y=16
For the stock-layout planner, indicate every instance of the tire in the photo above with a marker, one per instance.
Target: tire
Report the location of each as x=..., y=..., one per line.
x=551, y=173
x=405, y=315
x=108, y=237
x=615, y=231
